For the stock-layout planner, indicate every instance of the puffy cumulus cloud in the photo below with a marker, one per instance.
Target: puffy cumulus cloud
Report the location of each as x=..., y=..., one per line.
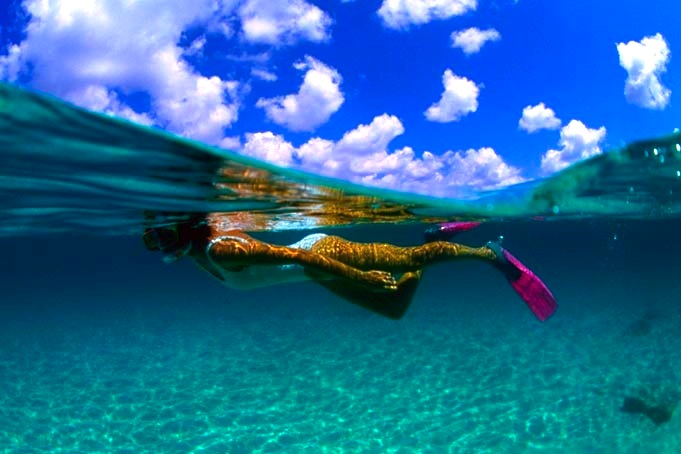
x=459, y=98
x=538, y=117
x=362, y=156
x=317, y=154
x=269, y=147
x=472, y=39
x=283, y=22
x=340, y=158
x=644, y=62
x=92, y=52
x=190, y=104
x=317, y=99
x=400, y=14
x=453, y=174
x=577, y=142
x=99, y=98
x=373, y=137
x=232, y=143
x=383, y=162
x=481, y=169
x=96, y=53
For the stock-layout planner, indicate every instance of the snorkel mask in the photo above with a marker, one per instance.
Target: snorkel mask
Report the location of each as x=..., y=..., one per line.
x=166, y=240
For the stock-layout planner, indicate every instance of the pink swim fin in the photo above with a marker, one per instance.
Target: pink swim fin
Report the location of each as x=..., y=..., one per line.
x=530, y=288
x=445, y=231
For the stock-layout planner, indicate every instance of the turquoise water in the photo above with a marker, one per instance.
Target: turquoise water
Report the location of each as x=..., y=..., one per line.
x=105, y=348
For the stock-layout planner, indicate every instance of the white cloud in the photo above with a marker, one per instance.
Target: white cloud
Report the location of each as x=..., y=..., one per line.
x=339, y=158
x=10, y=64
x=538, y=117
x=317, y=99
x=362, y=156
x=259, y=58
x=269, y=147
x=196, y=47
x=482, y=168
x=99, y=98
x=577, y=142
x=231, y=143
x=317, y=156
x=283, y=22
x=263, y=74
x=190, y=104
x=375, y=136
x=645, y=61
x=96, y=53
x=400, y=14
x=472, y=39
x=459, y=98
x=91, y=52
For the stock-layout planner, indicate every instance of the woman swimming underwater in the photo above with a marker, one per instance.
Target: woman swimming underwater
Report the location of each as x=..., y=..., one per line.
x=378, y=276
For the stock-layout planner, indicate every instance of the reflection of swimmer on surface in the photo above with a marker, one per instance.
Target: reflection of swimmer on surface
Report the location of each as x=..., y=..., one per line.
x=378, y=276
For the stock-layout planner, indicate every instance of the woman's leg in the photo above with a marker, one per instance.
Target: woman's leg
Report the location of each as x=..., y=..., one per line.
x=388, y=304
x=389, y=257
x=394, y=258
x=234, y=250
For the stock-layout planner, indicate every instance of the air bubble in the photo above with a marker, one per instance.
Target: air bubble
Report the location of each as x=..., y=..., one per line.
x=678, y=147
x=655, y=152
x=556, y=209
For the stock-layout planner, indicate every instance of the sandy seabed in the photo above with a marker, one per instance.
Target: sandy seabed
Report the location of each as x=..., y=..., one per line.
x=154, y=382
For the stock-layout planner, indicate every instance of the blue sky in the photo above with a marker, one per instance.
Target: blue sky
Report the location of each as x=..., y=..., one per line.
x=429, y=96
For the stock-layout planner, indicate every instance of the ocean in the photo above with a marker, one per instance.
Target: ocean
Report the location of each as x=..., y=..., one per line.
x=106, y=348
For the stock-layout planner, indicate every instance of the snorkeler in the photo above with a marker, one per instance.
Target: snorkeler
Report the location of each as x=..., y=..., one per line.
x=378, y=276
